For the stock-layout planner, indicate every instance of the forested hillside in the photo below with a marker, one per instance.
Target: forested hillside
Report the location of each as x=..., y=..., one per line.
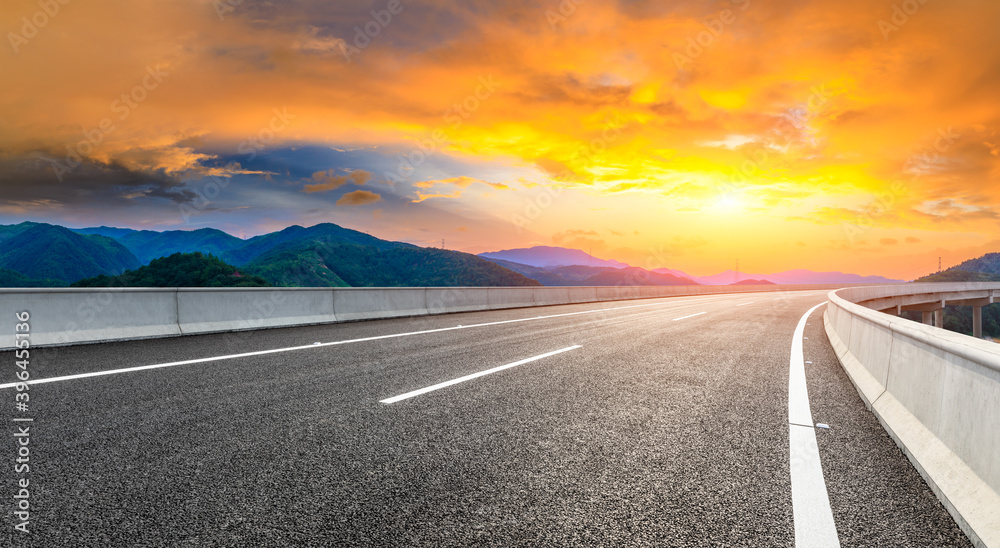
x=42, y=251
x=325, y=263
x=147, y=245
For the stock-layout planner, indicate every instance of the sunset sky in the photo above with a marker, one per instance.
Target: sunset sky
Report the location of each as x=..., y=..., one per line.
x=858, y=135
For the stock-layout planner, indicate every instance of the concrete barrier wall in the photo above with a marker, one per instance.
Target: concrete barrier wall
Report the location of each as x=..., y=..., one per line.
x=442, y=300
x=388, y=302
x=510, y=297
x=67, y=316
x=70, y=316
x=937, y=393
x=206, y=310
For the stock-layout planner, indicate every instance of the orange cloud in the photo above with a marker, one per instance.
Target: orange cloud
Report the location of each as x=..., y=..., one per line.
x=326, y=180
x=462, y=182
x=359, y=197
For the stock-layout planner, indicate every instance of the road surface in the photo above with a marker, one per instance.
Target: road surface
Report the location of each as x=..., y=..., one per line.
x=660, y=422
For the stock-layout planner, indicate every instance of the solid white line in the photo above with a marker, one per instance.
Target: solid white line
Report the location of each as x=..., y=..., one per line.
x=811, y=512
x=686, y=317
x=673, y=300
x=798, y=394
x=744, y=304
x=445, y=384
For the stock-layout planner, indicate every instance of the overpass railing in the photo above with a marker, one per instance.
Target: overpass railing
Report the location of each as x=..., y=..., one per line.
x=937, y=393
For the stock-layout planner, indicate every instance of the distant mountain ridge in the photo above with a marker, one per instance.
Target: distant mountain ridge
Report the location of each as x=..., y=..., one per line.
x=551, y=262
x=147, y=245
x=791, y=277
x=548, y=256
x=577, y=275
x=751, y=281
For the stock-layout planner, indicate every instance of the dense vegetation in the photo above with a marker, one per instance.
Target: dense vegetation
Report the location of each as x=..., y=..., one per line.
x=333, y=263
x=43, y=251
x=178, y=270
x=959, y=318
x=10, y=278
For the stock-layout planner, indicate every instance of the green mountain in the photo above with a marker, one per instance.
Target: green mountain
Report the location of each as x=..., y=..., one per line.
x=179, y=270
x=148, y=245
x=43, y=251
x=110, y=232
x=980, y=269
x=987, y=264
x=296, y=266
x=327, y=262
x=960, y=276
x=327, y=232
x=9, y=231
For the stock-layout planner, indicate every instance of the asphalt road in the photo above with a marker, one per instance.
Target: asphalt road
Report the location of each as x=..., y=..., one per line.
x=663, y=428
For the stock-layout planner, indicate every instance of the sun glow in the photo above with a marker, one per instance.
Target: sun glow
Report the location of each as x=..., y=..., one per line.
x=729, y=203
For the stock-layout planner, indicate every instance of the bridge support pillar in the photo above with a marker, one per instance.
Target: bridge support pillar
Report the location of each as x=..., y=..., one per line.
x=930, y=313
x=977, y=313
